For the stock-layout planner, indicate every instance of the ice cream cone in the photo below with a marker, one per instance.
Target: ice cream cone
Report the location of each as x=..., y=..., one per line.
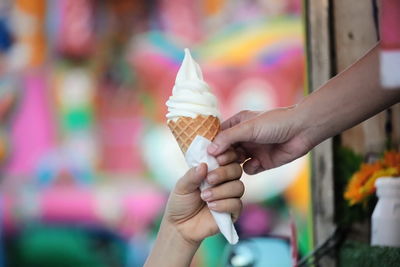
x=185, y=129
x=193, y=119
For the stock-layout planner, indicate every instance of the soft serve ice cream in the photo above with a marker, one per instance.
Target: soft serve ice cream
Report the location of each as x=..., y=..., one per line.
x=191, y=95
x=192, y=108
x=193, y=119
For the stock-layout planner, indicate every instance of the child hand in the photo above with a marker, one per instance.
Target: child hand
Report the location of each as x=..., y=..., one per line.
x=188, y=210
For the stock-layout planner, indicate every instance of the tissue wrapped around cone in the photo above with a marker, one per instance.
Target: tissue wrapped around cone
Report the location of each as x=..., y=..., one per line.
x=185, y=129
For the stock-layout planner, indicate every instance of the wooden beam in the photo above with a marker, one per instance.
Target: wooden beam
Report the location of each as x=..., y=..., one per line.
x=355, y=34
x=319, y=71
x=395, y=121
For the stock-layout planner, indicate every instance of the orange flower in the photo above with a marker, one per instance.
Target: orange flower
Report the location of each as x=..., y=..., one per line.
x=362, y=183
x=392, y=159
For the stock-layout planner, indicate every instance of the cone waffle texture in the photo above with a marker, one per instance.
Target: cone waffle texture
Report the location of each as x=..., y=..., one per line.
x=185, y=129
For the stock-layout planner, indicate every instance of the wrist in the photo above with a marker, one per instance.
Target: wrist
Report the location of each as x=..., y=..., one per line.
x=170, y=231
x=170, y=248
x=305, y=123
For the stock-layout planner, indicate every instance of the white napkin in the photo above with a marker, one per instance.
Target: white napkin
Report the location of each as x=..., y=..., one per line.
x=195, y=155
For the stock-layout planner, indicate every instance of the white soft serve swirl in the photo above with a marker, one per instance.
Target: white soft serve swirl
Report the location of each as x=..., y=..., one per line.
x=191, y=95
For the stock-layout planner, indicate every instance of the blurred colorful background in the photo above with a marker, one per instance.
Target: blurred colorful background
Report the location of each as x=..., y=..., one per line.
x=86, y=159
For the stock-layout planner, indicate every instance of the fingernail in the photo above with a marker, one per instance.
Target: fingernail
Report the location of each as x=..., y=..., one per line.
x=205, y=194
x=212, y=178
x=198, y=168
x=212, y=148
x=212, y=205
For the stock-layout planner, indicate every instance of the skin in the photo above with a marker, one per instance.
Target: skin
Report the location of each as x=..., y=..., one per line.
x=266, y=140
x=187, y=219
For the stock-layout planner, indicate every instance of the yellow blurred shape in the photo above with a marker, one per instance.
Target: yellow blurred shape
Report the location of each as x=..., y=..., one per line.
x=298, y=192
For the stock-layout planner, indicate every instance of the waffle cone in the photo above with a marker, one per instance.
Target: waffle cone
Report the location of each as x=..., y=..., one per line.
x=185, y=129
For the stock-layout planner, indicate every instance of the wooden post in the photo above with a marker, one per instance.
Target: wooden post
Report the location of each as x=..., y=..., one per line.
x=395, y=121
x=355, y=34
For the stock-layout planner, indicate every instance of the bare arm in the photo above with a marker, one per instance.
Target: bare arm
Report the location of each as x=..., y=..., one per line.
x=346, y=100
x=272, y=138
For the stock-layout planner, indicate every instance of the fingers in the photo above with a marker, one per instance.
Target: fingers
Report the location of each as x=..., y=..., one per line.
x=242, y=132
x=242, y=155
x=253, y=166
x=233, y=189
x=231, y=205
x=224, y=174
x=228, y=157
x=191, y=181
x=232, y=121
x=238, y=118
x=238, y=128
x=225, y=195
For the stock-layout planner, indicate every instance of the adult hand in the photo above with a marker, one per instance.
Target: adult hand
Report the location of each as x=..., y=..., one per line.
x=187, y=208
x=263, y=140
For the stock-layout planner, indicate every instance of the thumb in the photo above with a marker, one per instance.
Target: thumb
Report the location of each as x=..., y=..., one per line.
x=191, y=181
x=242, y=132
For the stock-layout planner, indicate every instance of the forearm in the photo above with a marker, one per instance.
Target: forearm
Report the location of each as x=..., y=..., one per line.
x=346, y=100
x=171, y=249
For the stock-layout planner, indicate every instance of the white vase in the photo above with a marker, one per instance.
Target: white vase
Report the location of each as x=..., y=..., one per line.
x=386, y=216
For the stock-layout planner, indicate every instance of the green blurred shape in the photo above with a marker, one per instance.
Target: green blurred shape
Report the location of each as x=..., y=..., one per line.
x=303, y=234
x=356, y=254
x=346, y=164
x=211, y=250
x=77, y=119
x=52, y=246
